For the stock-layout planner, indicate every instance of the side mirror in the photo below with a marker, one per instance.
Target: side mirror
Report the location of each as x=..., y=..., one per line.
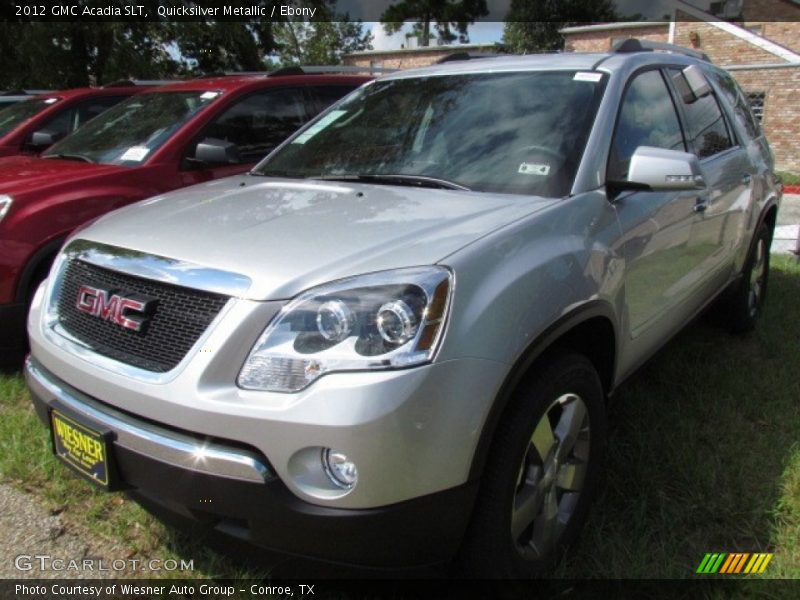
x=44, y=138
x=215, y=152
x=658, y=169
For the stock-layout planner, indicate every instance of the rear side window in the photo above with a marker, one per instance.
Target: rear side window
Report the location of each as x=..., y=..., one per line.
x=259, y=122
x=647, y=118
x=741, y=107
x=706, y=128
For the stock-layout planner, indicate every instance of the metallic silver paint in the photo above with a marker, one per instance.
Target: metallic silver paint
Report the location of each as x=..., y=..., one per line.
x=520, y=264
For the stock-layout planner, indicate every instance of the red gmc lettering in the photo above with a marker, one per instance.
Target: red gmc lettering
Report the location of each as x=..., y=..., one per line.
x=109, y=307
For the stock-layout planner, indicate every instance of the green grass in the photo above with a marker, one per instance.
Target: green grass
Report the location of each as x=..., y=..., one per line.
x=26, y=462
x=704, y=455
x=789, y=178
x=703, y=451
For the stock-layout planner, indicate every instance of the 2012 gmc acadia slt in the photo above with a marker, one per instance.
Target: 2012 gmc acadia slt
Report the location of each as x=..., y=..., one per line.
x=391, y=342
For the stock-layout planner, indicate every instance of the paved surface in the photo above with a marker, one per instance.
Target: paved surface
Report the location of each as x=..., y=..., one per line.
x=787, y=229
x=29, y=530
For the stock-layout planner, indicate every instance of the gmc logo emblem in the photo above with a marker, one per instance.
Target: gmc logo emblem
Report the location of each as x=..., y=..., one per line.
x=131, y=313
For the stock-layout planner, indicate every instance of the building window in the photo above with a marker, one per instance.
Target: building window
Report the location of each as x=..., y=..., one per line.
x=756, y=100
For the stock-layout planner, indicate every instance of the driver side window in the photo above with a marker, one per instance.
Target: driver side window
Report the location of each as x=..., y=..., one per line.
x=647, y=118
x=259, y=122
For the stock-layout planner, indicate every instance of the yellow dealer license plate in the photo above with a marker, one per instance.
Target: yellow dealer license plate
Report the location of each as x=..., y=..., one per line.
x=81, y=448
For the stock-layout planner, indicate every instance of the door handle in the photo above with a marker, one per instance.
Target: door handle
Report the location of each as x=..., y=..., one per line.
x=700, y=207
x=747, y=178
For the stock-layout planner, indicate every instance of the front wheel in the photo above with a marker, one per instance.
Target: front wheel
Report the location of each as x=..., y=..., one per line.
x=541, y=472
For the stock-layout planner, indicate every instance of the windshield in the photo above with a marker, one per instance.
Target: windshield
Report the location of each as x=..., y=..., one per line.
x=128, y=132
x=20, y=112
x=518, y=133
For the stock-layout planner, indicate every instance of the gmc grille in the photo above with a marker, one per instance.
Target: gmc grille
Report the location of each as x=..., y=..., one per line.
x=181, y=316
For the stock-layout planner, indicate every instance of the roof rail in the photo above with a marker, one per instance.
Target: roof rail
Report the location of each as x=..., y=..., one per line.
x=137, y=82
x=466, y=56
x=298, y=70
x=636, y=45
x=322, y=69
x=14, y=93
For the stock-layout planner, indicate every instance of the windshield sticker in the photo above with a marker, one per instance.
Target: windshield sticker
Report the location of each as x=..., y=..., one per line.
x=135, y=153
x=318, y=126
x=584, y=76
x=51, y=100
x=534, y=169
x=209, y=95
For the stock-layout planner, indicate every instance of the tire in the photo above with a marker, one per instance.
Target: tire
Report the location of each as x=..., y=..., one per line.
x=747, y=300
x=526, y=514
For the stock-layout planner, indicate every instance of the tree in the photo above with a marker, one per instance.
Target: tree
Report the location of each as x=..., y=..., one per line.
x=533, y=25
x=75, y=54
x=216, y=46
x=450, y=18
x=320, y=42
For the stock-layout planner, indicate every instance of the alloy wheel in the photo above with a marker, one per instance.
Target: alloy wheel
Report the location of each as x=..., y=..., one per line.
x=551, y=477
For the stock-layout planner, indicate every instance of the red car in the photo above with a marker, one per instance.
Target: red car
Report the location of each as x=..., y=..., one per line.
x=159, y=140
x=31, y=126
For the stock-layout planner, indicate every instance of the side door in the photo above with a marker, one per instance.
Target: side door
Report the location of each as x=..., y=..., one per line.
x=753, y=143
x=256, y=124
x=728, y=175
x=656, y=226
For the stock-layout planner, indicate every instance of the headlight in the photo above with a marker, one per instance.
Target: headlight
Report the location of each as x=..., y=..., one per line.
x=377, y=321
x=5, y=205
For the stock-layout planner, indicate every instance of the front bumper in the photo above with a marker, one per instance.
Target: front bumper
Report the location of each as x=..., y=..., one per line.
x=234, y=491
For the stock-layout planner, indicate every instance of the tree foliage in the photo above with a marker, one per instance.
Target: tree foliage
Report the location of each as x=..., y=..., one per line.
x=57, y=55
x=320, y=43
x=75, y=54
x=217, y=46
x=450, y=18
x=533, y=25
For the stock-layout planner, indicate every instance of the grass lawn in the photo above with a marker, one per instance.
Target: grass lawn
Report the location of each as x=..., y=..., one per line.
x=704, y=456
x=789, y=178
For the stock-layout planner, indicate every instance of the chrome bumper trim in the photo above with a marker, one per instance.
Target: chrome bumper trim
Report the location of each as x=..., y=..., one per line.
x=145, y=439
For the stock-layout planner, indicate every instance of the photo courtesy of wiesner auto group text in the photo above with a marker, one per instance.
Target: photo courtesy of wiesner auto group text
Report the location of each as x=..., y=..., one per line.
x=399, y=299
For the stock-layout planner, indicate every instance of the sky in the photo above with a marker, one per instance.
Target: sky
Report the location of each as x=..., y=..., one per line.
x=490, y=30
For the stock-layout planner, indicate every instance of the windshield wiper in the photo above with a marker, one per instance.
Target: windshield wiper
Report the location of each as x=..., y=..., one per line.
x=398, y=179
x=70, y=157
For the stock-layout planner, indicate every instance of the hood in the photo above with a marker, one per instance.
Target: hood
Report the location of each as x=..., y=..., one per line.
x=289, y=235
x=22, y=174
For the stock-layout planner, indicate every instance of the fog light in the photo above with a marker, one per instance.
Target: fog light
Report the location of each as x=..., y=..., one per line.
x=339, y=469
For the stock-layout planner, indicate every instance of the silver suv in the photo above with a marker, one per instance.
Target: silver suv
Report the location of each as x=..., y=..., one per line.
x=392, y=341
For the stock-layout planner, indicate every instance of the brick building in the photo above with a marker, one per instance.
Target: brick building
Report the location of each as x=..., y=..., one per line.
x=764, y=56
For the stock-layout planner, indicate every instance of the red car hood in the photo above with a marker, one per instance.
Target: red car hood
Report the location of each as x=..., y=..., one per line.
x=22, y=174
